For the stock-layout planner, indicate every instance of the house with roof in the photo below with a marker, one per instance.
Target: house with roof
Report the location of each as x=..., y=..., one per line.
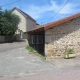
x=53, y=38
x=26, y=23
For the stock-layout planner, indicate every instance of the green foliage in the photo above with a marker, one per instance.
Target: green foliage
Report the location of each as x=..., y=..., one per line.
x=29, y=48
x=32, y=50
x=68, y=51
x=8, y=23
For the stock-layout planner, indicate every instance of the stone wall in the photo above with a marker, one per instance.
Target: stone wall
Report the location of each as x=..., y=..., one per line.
x=2, y=39
x=64, y=36
x=22, y=24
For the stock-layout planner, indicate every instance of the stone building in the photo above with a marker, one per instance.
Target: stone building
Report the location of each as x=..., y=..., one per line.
x=53, y=38
x=26, y=22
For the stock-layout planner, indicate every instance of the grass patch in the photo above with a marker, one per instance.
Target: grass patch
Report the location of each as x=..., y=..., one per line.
x=34, y=52
x=29, y=48
x=39, y=55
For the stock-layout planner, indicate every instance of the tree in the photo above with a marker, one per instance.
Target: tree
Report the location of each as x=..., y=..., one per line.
x=9, y=23
x=1, y=14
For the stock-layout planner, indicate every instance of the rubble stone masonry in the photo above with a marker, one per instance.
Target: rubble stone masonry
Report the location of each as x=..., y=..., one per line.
x=63, y=36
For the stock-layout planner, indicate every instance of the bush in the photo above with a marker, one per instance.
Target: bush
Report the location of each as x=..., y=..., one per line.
x=8, y=23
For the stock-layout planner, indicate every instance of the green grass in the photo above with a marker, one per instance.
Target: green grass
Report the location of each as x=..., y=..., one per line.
x=29, y=48
x=34, y=52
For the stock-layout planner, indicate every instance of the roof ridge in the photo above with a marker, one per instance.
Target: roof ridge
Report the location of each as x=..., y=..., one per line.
x=63, y=20
x=23, y=13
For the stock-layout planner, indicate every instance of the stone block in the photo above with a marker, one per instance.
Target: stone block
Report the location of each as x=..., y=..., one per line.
x=47, y=39
x=51, y=51
x=63, y=36
x=50, y=46
x=49, y=54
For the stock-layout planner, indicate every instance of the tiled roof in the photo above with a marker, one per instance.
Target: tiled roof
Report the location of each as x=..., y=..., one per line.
x=23, y=13
x=61, y=21
x=56, y=23
x=38, y=27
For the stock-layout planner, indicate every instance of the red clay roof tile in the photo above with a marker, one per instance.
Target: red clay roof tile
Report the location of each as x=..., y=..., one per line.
x=56, y=23
x=61, y=21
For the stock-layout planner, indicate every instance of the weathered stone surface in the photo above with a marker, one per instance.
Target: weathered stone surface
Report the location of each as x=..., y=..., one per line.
x=64, y=36
x=47, y=39
x=70, y=56
x=51, y=51
x=49, y=54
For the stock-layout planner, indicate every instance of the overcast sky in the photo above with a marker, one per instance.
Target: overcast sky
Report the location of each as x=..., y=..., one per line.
x=43, y=10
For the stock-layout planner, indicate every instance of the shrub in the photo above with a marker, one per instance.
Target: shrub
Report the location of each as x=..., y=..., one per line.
x=8, y=23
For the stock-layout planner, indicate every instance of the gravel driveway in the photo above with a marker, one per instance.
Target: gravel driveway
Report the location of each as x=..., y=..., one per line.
x=15, y=62
x=20, y=62
x=14, y=45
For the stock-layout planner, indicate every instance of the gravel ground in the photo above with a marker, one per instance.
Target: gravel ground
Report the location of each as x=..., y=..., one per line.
x=70, y=75
x=17, y=64
x=14, y=45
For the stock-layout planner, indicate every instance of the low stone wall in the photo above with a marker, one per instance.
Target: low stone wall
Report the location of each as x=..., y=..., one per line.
x=64, y=36
x=17, y=37
x=6, y=39
x=24, y=36
x=10, y=38
x=2, y=39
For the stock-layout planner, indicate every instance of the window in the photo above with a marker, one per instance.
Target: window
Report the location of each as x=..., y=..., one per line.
x=33, y=39
x=37, y=39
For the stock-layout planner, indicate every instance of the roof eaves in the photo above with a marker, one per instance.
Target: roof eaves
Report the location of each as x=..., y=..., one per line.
x=56, y=23
x=35, y=29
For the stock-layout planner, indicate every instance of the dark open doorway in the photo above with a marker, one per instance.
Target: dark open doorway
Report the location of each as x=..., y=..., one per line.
x=36, y=40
